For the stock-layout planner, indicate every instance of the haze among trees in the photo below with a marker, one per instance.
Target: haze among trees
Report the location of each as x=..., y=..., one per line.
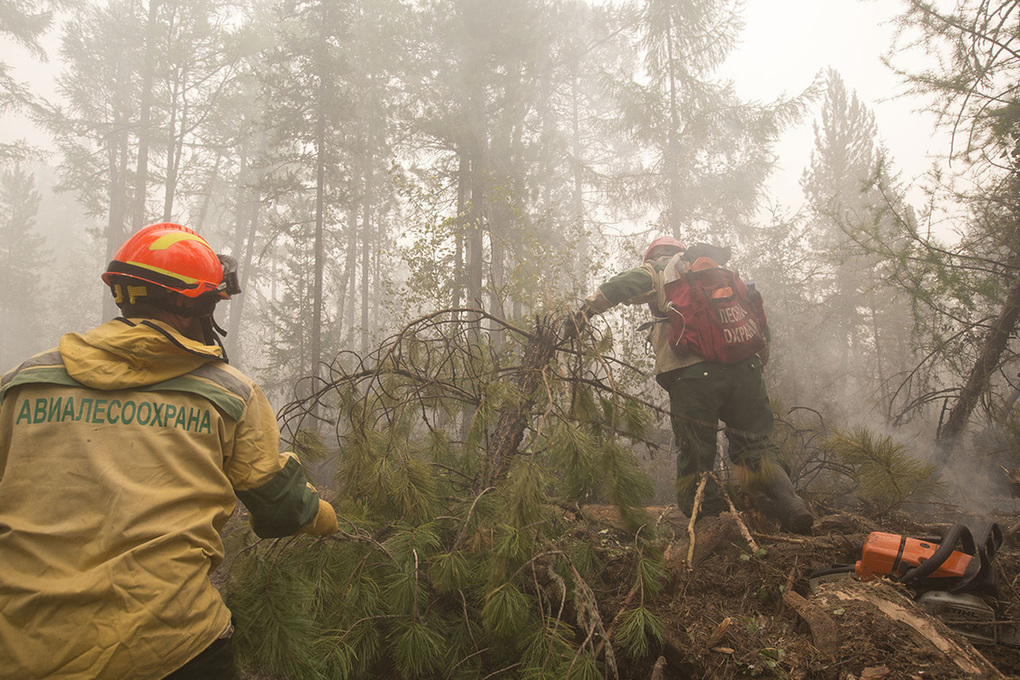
x=417, y=193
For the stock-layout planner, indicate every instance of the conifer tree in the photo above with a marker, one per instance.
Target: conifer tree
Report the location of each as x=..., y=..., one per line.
x=23, y=22
x=511, y=99
x=23, y=300
x=861, y=324
x=138, y=80
x=709, y=151
x=444, y=569
x=971, y=287
x=92, y=127
x=377, y=60
x=307, y=90
x=190, y=58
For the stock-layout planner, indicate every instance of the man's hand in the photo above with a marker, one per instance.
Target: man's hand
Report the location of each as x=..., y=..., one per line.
x=575, y=322
x=324, y=522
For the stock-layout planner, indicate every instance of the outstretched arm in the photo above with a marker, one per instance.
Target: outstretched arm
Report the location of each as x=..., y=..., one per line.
x=272, y=485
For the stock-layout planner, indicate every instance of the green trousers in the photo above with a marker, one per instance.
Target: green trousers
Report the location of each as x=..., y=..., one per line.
x=699, y=397
x=215, y=661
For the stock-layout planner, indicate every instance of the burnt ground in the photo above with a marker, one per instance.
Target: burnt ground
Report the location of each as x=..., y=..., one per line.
x=740, y=613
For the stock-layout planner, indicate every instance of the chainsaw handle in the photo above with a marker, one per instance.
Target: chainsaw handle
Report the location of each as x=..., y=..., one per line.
x=989, y=538
x=957, y=533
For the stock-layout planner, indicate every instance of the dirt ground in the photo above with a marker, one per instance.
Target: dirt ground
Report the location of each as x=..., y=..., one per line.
x=731, y=611
x=735, y=612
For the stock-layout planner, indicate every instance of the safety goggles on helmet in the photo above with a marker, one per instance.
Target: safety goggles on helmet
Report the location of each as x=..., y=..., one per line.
x=176, y=258
x=230, y=285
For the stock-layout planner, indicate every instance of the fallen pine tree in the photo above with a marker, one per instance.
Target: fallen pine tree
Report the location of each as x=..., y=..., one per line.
x=467, y=549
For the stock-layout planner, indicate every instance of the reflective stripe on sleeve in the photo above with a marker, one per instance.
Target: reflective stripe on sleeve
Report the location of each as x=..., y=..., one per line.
x=282, y=505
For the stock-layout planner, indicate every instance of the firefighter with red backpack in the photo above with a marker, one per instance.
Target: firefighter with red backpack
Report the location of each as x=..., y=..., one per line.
x=123, y=452
x=709, y=335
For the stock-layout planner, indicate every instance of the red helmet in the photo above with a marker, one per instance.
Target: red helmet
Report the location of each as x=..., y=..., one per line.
x=170, y=256
x=665, y=241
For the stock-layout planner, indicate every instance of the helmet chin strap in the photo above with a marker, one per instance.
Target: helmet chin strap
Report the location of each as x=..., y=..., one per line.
x=211, y=334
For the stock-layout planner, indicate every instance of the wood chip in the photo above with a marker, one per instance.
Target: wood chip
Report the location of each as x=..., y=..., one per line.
x=824, y=632
x=659, y=669
x=719, y=632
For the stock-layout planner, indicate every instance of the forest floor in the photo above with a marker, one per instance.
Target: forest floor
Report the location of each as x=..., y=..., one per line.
x=734, y=612
x=731, y=611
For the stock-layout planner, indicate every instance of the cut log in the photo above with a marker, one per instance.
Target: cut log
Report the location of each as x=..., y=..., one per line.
x=930, y=634
x=710, y=533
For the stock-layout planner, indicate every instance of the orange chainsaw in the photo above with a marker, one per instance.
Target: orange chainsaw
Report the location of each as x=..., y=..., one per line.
x=952, y=577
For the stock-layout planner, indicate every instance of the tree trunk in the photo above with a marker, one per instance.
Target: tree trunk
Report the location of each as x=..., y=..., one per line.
x=117, y=157
x=144, y=113
x=345, y=295
x=883, y=385
x=248, y=205
x=673, y=142
x=977, y=382
x=366, y=252
x=208, y=192
x=175, y=142
x=477, y=135
x=581, y=252
x=497, y=273
x=463, y=178
x=513, y=419
x=320, y=216
x=475, y=254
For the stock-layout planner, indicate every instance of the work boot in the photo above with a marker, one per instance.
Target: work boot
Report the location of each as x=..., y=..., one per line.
x=791, y=510
x=711, y=506
x=712, y=503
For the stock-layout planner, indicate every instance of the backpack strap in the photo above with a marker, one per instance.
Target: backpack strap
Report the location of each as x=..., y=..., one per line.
x=675, y=268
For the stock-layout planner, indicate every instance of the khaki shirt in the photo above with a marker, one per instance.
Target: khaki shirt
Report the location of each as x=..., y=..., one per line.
x=646, y=285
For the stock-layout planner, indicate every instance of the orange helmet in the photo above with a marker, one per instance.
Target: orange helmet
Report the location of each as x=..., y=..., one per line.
x=664, y=241
x=173, y=257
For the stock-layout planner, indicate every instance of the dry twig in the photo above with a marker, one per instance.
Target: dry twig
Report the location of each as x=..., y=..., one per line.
x=740, y=523
x=698, y=497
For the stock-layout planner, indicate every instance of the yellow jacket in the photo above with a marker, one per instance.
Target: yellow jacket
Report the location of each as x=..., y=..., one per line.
x=122, y=454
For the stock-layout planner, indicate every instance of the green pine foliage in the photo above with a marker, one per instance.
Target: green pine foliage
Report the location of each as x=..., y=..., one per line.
x=309, y=445
x=591, y=460
x=885, y=474
x=625, y=484
x=440, y=571
x=640, y=632
x=24, y=299
x=286, y=636
x=505, y=612
x=573, y=452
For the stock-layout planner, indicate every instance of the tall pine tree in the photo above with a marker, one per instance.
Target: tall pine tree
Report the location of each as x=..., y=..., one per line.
x=860, y=329
x=705, y=152
x=23, y=300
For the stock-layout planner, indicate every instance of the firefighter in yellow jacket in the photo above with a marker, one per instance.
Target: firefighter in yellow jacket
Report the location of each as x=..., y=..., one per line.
x=122, y=454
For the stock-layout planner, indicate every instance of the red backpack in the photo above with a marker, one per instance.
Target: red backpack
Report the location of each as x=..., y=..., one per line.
x=713, y=314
